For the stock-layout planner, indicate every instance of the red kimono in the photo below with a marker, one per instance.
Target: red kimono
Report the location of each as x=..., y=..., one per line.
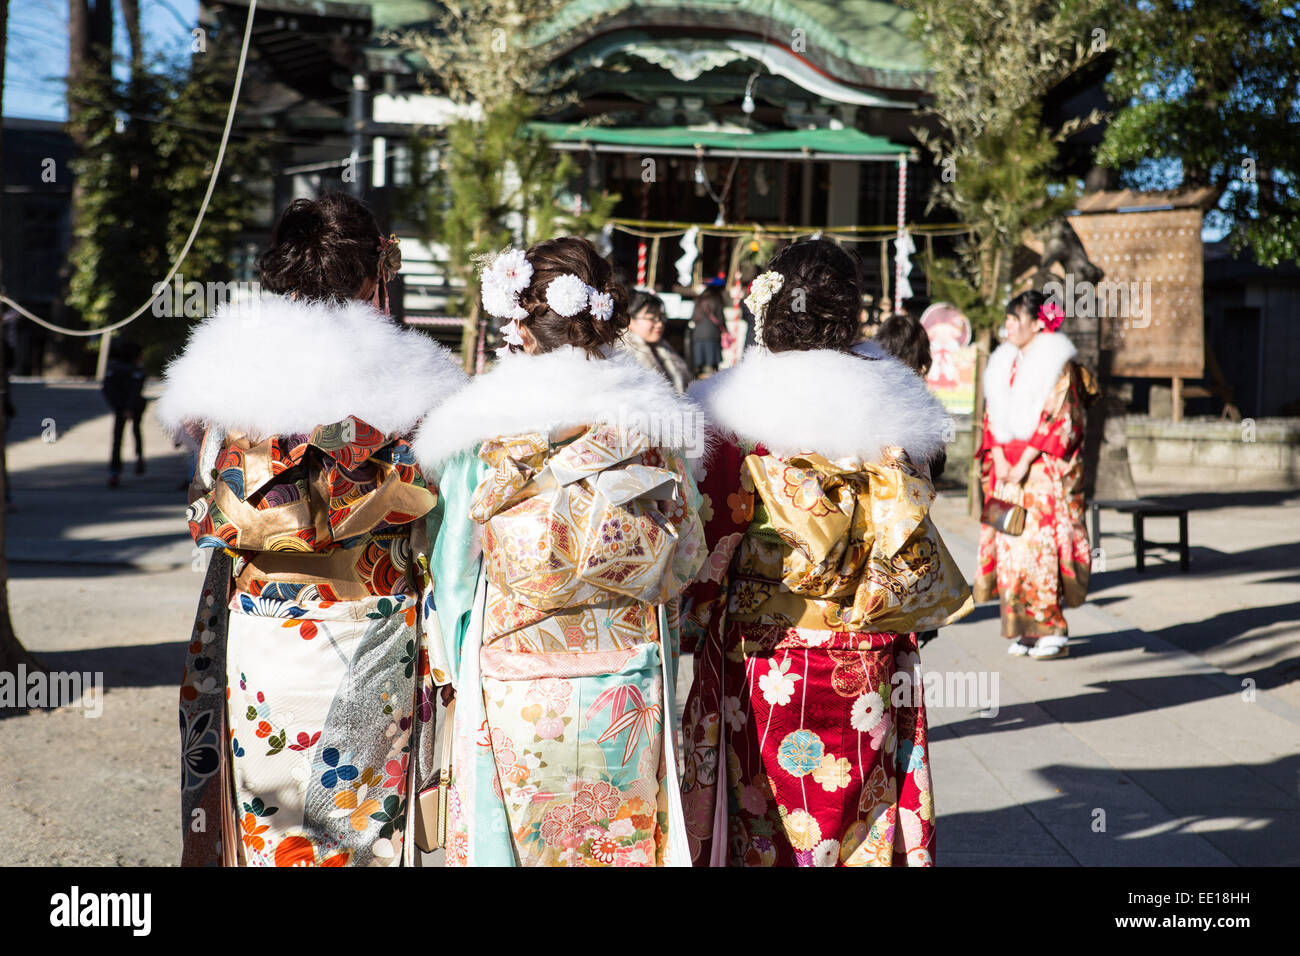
x=1045, y=568
x=807, y=691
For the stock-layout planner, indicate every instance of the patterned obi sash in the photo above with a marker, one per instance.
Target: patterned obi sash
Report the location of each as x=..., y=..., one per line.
x=335, y=512
x=581, y=544
x=843, y=545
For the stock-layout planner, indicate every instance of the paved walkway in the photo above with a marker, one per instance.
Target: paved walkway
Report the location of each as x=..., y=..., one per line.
x=1147, y=745
x=1145, y=722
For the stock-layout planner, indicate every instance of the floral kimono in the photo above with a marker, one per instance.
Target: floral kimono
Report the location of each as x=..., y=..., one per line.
x=569, y=530
x=298, y=698
x=805, y=731
x=1036, y=399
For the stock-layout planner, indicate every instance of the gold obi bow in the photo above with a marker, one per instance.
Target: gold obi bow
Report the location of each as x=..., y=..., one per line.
x=584, y=523
x=859, y=540
x=308, y=493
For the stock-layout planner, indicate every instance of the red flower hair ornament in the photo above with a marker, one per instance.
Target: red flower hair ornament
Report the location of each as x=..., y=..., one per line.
x=1050, y=314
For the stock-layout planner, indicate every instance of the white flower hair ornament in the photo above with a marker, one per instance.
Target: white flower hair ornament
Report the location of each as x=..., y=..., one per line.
x=510, y=335
x=503, y=278
x=568, y=295
x=761, y=292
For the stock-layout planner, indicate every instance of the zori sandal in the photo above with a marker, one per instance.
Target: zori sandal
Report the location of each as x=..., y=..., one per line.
x=1050, y=647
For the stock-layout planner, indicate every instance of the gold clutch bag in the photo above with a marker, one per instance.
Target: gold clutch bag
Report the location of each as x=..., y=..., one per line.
x=431, y=802
x=1001, y=514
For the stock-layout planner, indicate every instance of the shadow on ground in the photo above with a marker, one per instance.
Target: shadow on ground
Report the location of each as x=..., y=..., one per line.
x=1252, y=824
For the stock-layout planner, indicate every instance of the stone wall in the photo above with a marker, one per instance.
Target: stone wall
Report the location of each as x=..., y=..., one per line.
x=1207, y=453
x=1213, y=453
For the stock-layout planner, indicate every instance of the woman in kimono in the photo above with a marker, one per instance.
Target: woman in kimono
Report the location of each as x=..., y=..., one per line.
x=571, y=525
x=805, y=731
x=297, y=701
x=1035, y=396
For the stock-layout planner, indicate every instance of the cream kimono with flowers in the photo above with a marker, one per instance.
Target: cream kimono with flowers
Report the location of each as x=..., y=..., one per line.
x=566, y=539
x=299, y=720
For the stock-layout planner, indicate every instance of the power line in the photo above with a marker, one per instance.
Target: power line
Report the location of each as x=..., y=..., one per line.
x=198, y=221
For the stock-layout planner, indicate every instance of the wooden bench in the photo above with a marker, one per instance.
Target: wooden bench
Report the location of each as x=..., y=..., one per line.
x=1141, y=509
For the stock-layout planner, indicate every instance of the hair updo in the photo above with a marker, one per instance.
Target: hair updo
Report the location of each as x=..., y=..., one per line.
x=817, y=307
x=552, y=259
x=324, y=249
x=1027, y=304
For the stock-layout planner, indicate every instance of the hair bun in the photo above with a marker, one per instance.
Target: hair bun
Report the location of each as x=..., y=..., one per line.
x=302, y=219
x=322, y=249
x=572, y=255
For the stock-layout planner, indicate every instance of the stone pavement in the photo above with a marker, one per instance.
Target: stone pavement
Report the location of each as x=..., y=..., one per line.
x=99, y=580
x=1145, y=722
x=1169, y=736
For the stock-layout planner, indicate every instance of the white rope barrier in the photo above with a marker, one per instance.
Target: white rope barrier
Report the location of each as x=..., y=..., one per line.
x=164, y=286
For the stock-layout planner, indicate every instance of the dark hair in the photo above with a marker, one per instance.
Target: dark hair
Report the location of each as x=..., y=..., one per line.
x=906, y=340
x=322, y=249
x=645, y=300
x=1027, y=303
x=819, y=301
x=552, y=259
x=708, y=303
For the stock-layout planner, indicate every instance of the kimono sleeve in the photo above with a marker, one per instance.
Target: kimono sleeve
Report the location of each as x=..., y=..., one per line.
x=1060, y=427
x=726, y=509
x=455, y=560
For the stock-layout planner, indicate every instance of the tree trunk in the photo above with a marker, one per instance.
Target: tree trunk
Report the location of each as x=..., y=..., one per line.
x=12, y=652
x=131, y=17
x=974, y=495
x=90, y=48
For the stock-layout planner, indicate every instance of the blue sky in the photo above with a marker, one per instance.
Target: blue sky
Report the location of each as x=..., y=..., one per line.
x=37, y=57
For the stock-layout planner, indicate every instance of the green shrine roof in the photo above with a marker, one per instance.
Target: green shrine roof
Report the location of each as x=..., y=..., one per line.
x=686, y=140
x=858, y=40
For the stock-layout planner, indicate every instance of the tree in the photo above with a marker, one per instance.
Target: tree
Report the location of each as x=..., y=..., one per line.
x=147, y=144
x=495, y=181
x=1208, y=95
x=992, y=62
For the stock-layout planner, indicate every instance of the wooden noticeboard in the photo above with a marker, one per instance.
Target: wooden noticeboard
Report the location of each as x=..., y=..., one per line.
x=1150, y=302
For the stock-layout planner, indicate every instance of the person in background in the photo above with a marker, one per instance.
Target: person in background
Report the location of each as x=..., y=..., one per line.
x=1035, y=395
x=708, y=329
x=644, y=341
x=868, y=324
x=748, y=273
x=904, y=338
x=124, y=390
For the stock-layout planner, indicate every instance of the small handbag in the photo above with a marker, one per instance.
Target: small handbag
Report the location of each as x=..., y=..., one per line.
x=1001, y=514
x=431, y=803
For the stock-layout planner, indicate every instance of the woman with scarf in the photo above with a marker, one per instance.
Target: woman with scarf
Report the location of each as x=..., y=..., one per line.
x=1035, y=397
x=644, y=341
x=805, y=731
x=297, y=703
x=571, y=526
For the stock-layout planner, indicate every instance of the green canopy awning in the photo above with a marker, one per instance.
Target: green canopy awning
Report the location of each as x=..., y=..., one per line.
x=841, y=144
